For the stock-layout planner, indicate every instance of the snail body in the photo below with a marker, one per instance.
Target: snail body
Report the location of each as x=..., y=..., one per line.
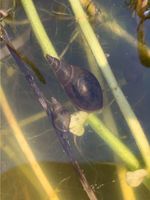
x=60, y=116
x=80, y=85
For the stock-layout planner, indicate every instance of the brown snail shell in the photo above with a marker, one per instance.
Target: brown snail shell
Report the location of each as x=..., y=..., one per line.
x=80, y=85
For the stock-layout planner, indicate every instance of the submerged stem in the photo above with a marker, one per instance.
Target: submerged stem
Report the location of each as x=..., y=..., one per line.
x=118, y=147
x=131, y=119
x=38, y=28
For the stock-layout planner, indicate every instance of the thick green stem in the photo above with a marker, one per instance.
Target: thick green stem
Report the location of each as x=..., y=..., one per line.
x=114, y=143
x=123, y=104
x=38, y=28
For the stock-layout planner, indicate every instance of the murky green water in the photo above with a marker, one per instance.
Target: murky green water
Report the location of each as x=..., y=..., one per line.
x=102, y=178
x=131, y=73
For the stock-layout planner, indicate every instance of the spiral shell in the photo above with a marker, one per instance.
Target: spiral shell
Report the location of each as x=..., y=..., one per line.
x=60, y=116
x=81, y=86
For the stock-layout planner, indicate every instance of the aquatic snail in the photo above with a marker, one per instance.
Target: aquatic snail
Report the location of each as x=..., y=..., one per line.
x=60, y=116
x=81, y=86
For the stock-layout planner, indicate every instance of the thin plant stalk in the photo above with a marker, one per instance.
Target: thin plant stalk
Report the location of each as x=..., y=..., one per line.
x=25, y=147
x=131, y=119
x=127, y=191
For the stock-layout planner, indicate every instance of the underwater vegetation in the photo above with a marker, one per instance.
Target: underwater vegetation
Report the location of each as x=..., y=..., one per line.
x=86, y=90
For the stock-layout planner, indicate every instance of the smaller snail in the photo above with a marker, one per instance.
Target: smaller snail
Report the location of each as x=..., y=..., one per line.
x=61, y=120
x=60, y=116
x=80, y=85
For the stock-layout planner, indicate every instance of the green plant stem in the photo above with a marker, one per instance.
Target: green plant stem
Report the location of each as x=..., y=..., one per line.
x=123, y=104
x=38, y=28
x=93, y=120
x=114, y=143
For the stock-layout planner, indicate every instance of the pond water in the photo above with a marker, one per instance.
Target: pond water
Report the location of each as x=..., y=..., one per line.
x=117, y=33
x=101, y=176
